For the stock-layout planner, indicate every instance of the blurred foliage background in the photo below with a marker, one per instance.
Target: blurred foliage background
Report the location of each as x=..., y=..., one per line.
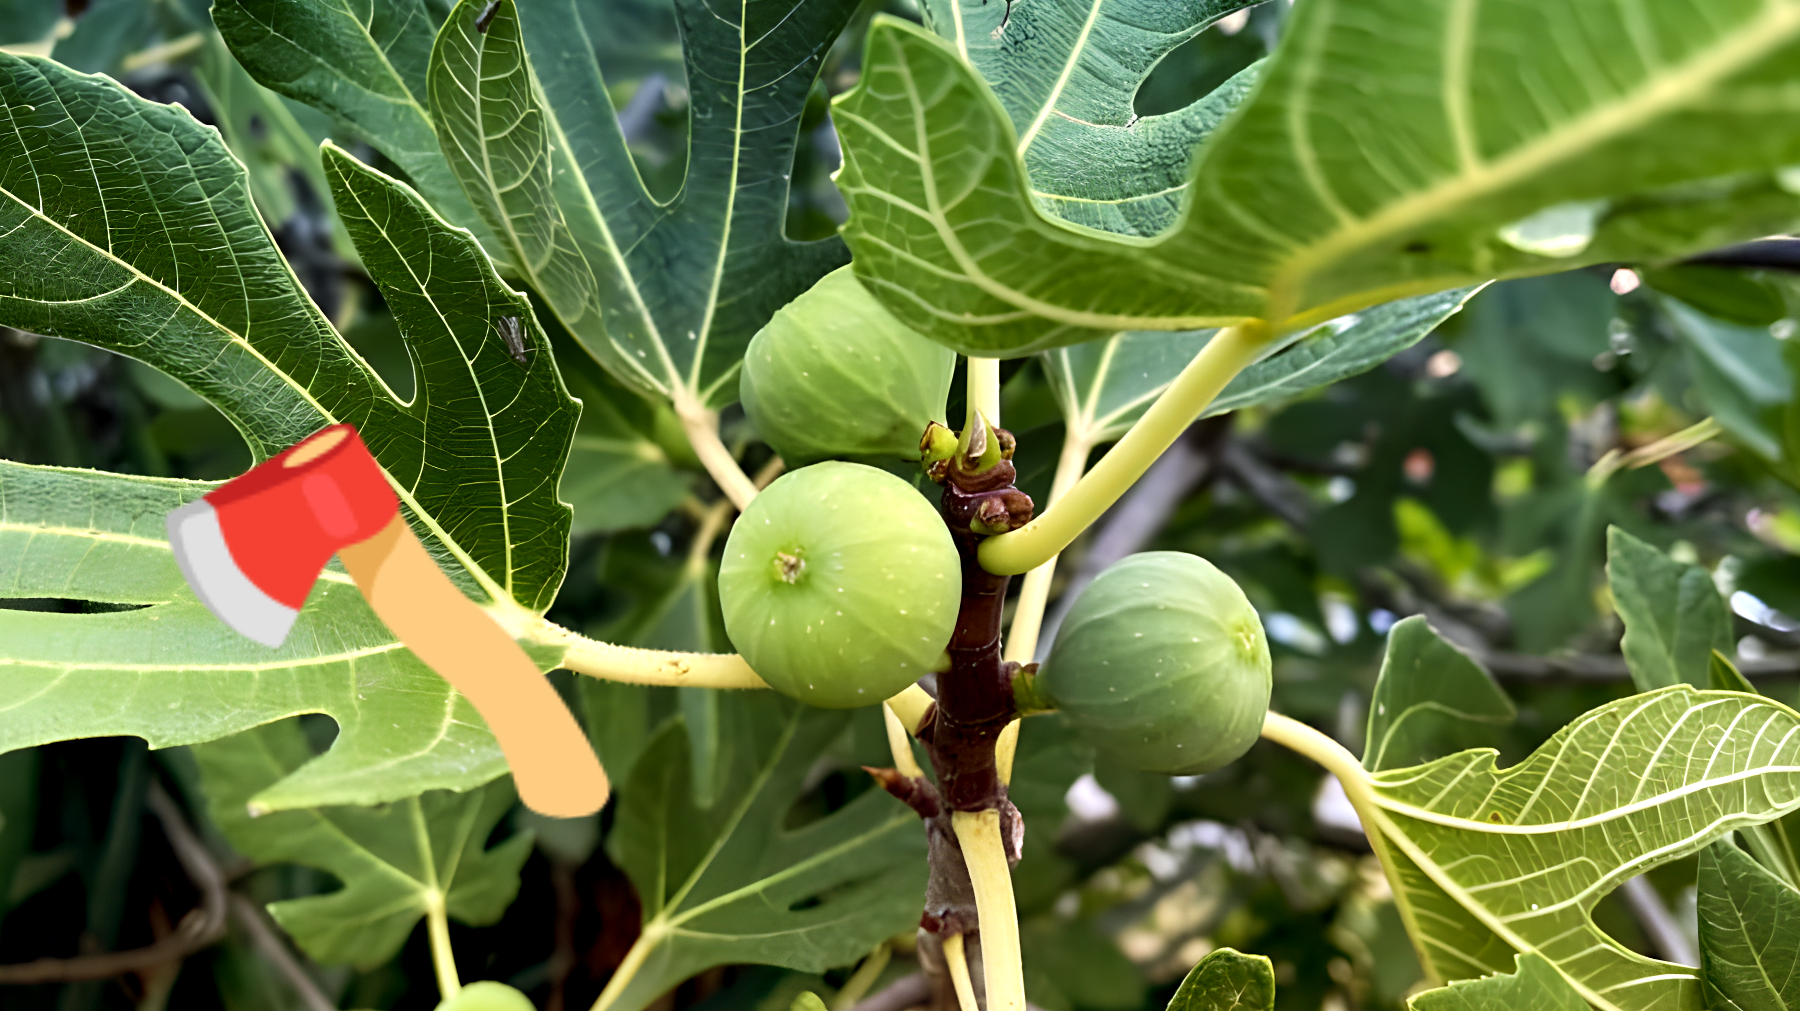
x=1458, y=481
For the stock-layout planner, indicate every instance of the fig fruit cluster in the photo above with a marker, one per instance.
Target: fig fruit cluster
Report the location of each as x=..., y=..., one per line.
x=840, y=585
x=835, y=376
x=1163, y=663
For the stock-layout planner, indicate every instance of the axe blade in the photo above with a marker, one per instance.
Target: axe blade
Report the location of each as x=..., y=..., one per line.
x=205, y=560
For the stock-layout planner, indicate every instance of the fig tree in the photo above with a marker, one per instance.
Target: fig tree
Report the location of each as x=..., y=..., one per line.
x=836, y=376
x=1163, y=663
x=840, y=585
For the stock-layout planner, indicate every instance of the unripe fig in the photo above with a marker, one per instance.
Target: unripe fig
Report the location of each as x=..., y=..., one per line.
x=487, y=995
x=840, y=585
x=835, y=376
x=1163, y=663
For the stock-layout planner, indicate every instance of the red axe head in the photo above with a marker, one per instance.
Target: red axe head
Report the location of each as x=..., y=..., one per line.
x=253, y=548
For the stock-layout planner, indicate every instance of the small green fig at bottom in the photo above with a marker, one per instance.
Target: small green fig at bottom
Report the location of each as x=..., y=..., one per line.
x=487, y=995
x=1163, y=663
x=840, y=585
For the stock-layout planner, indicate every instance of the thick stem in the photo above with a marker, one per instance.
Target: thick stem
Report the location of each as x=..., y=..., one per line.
x=1223, y=357
x=975, y=700
x=985, y=854
x=702, y=428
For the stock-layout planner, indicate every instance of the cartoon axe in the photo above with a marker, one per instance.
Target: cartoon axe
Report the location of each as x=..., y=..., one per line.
x=253, y=548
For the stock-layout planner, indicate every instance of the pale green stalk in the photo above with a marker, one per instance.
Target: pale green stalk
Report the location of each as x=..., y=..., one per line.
x=984, y=388
x=957, y=961
x=1030, y=546
x=985, y=854
x=1337, y=760
x=1034, y=591
x=859, y=983
x=437, y=919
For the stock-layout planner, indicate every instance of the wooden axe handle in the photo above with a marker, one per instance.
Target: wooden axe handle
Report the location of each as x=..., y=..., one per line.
x=552, y=763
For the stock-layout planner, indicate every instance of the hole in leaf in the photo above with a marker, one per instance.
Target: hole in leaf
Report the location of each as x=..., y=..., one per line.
x=1191, y=71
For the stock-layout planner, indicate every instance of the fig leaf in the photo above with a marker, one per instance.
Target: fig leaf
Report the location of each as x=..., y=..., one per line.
x=665, y=294
x=729, y=882
x=394, y=861
x=364, y=65
x=1430, y=699
x=1674, y=617
x=1314, y=199
x=1536, y=985
x=1092, y=159
x=1104, y=386
x=1227, y=980
x=196, y=287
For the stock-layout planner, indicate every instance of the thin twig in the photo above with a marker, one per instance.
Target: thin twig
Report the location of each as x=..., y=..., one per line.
x=202, y=926
x=275, y=951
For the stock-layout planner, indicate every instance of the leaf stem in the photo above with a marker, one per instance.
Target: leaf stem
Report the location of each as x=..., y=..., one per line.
x=443, y=956
x=905, y=762
x=984, y=388
x=957, y=960
x=437, y=919
x=1037, y=542
x=629, y=968
x=1034, y=590
x=641, y=666
x=702, y=428
x=985, y=855
x=1034, y=593
x=910, y=706
x=1337, y=760
x=863, y=978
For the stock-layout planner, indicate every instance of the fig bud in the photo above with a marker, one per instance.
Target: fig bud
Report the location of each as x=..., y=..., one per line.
x=835, y=376
x=1163, y=663
x=840, y=585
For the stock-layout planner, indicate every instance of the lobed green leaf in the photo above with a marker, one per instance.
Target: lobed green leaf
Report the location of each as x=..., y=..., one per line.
x=1464, y=152
x=127, y=225
x=395, y=862
x=666, y=295
x=1674, y=617
x=1492, y=863
x=728, y=882
x=1430, y=699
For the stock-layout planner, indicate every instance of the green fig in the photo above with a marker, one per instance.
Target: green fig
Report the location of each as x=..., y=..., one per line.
x=840, y=585
x=835, y=376
x=487, y=995
x=1163, y=663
